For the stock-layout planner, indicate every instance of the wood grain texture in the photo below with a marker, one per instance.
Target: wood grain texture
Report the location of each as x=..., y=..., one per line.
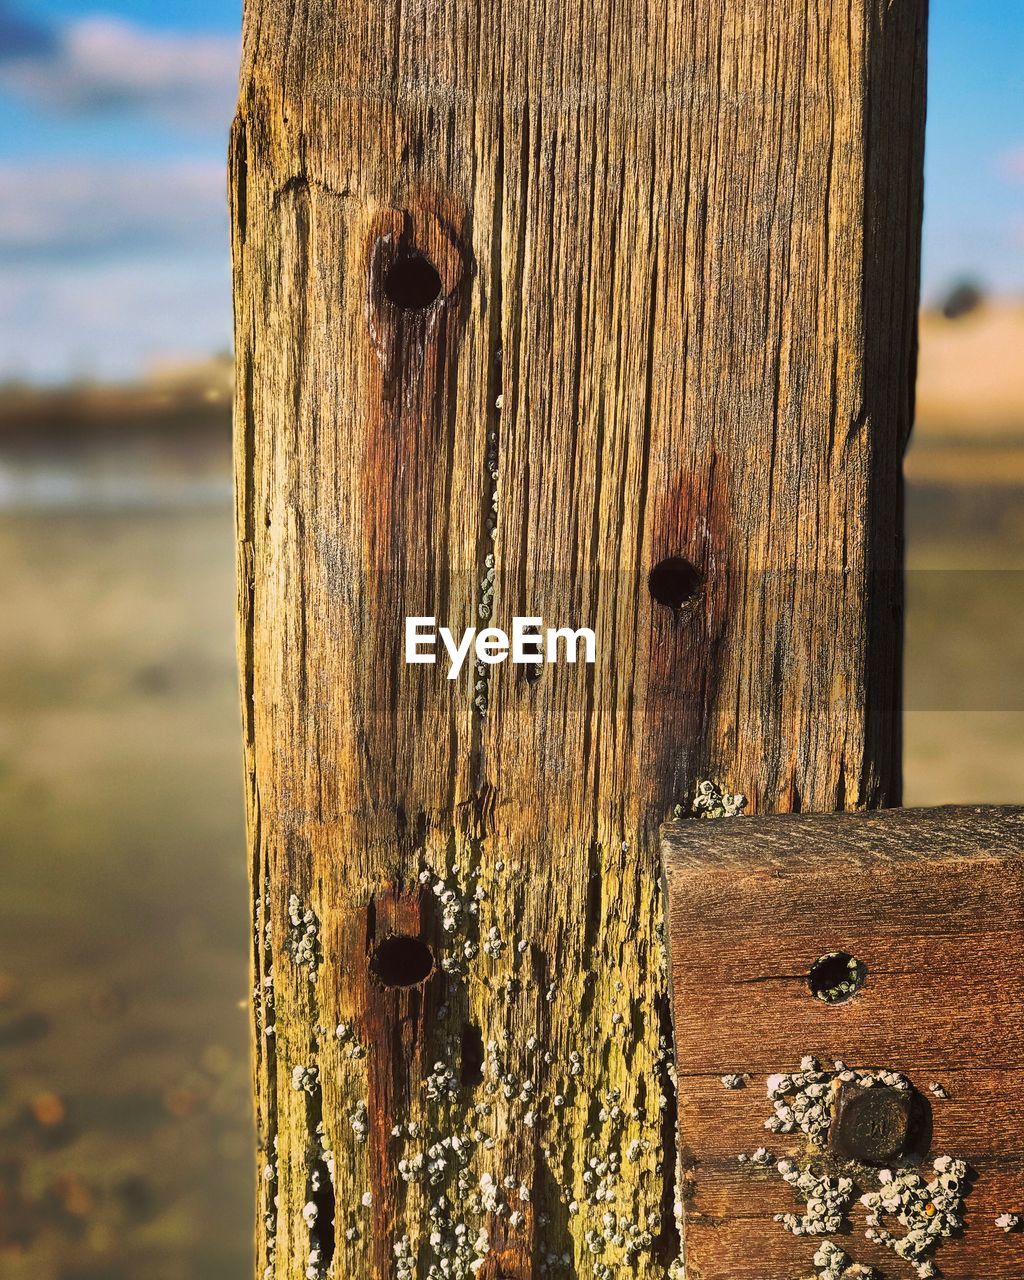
x=932, y=902
x=677, y=253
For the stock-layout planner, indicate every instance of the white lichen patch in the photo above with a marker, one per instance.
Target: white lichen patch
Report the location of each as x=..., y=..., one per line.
x=263, y=988
x=405, y=1262
x=456, y=1201
x=303, y=942
x=802, y=1100
x=834, y=1263
x=359, y=1121
x=930, y=1211
x=452, y=899
x=351, y=1046
x=306, y=1077
x=1010, y=1222
x=830, y=1261
x=732, y=1081
x=442, y=1084
x=269, y=1209
x=493, y=944
x=712, y=801
x=803, y=1103
x=827, y=1197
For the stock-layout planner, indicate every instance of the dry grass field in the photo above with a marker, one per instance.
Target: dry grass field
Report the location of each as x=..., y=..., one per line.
x=964, y=725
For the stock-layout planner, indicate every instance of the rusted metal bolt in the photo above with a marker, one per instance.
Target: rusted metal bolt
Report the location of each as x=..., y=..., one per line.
x=872, y=1125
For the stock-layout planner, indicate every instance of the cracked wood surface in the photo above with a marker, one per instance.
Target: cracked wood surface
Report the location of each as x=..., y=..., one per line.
x=675, y=252
x=930, y=901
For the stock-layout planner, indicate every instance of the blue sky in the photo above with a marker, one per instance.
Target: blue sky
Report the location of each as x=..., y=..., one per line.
x=113, y=230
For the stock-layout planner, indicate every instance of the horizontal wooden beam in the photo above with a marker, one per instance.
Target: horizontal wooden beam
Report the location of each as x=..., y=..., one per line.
x=889, y=943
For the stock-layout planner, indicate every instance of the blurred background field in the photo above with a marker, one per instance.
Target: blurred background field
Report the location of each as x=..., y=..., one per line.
x=125, y=1133
x=964, y=656
x=125, y=1145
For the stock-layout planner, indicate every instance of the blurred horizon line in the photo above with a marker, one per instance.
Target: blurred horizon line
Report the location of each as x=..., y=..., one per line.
x=177, y=374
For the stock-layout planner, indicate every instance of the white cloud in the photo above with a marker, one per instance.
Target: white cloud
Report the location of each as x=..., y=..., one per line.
x=111, y=320
x=105, y=267
x=100, y=64
x=55, y=212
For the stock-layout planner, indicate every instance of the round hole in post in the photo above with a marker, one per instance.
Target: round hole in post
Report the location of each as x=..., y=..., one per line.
x=836, y=977
x=412, y=282
x=674, y=582
x=402, y=961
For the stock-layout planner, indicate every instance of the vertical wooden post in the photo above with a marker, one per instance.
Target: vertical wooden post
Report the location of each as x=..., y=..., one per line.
x=531, y=300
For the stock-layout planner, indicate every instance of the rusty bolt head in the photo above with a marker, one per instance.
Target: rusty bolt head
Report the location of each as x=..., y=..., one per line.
x=872, y=1125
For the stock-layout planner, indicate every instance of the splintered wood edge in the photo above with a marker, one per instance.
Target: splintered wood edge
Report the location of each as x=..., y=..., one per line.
x=791, y=841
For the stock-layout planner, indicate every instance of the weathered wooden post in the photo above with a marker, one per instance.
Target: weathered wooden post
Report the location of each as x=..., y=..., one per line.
x=598, y=314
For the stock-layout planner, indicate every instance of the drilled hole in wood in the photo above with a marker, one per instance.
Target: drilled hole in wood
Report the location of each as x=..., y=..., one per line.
x=402, y=961
x=836, y=977
x=674, y=582
x=412, y=282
